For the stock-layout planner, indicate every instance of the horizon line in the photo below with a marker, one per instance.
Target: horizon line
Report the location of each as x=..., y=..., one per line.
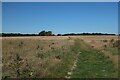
x=60, y=33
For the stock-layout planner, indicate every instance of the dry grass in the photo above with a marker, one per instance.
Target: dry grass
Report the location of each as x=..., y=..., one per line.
x=46, y=56
x=34, y=57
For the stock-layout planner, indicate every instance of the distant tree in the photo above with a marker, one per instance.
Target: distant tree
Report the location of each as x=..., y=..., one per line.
x=45, y=33
x=49, y=33
x=42, y=33
x=59, y=35
x=53, y=34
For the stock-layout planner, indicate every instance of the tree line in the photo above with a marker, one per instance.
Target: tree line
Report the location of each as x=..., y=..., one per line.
x=73, y=34
x=49, y=33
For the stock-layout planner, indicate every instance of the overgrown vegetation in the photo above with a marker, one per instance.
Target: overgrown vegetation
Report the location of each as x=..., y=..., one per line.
x=112, y=46
x=35, y=58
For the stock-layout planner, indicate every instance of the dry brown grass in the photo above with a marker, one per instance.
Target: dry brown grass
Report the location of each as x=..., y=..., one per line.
x=37, y=53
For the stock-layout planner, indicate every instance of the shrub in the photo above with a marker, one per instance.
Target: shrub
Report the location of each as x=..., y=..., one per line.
x=18, y=59
x=116, y=44
x=5, y=76
x=21, y=43
x=52, y=48
x=92, y=46
x=105, y=40
x=58, y=57
x=53, y=43
x=112, y=40
x=105, y=46
x=40, y=55
x=69, y=38
x=41, y=48
x=38, y=47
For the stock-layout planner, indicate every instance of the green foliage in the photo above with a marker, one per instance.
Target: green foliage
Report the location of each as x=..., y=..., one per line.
x=45, y=33
x=5, y=76
x=59, y=34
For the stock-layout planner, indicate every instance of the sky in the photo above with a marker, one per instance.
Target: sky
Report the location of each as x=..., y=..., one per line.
x=60, y=0
x=60, y=17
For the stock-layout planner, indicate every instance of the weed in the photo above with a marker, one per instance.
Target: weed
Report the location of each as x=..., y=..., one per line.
x=38, y=47
x=62, y=47
x=112, y=40
x=40, y=55
x=116, y=44
x=105, y=40
x=52, y=48
x=42, y=48
x=58, y=57
x=5, y=76
x=105, y=46
x=92, y=46
x=69, y=38
x=26, y=72
x=49, y=45
x=18, y=59
x=20, y=44
x=53, y=43
x=44, y=64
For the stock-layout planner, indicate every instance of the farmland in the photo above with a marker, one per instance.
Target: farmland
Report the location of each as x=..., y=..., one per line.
x=60, y=57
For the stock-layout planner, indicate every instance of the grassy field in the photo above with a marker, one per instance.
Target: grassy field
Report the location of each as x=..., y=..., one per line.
x=53, y=57
x=93, y=64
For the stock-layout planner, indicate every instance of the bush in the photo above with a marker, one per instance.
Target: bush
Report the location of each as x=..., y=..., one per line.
x=112, y=40
x=105, y=46
x=105, y=40
x=116, y=44
x=40, y=55
x=38, y=47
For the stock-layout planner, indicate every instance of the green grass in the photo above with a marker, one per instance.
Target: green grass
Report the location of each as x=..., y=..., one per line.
x=92, y=64
x=59, y=70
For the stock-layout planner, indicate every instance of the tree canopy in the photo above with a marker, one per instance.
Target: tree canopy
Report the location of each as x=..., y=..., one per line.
x=49, y=33
x=45, y=33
